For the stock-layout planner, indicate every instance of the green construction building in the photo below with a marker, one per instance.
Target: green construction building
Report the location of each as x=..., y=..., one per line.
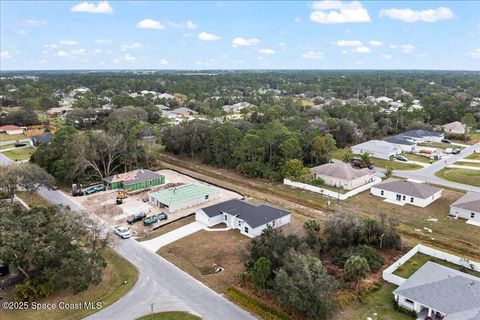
x=134, y=180
x=184, y=196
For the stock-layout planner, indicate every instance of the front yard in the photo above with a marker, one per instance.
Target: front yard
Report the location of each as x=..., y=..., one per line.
x=474, y=156
x=12, y=137
x=395, y=165
x=19, y=154
x=468, y=164
x=415, y=157
x=465, y=176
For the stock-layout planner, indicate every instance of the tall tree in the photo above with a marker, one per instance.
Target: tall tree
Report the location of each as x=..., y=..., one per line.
x=357, y=268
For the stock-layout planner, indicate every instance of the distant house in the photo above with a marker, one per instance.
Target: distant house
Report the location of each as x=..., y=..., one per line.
x=383, y=99
x=45, y=137
x=421, y=136
x=250, y=219
x=182, y=197
x=162, y=107
x=341, y=175
x=59, y=110
x=107, y=106
x=406, y=192
x=237, y=107
x=377, y=148
x=11, y=129
x=184, y=112
x=402, y=143
x=166, y=96
x=467, y=207
x=440, y=292
x=134, y=180
x=455, y=127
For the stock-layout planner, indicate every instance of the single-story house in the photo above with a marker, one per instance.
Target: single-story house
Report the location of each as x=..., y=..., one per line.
x=237, y=107
x=45, y=137
x=184, y=196
x=342, y=175
x=250, y=219
x=134, y=180
x=467, y=207
x=438, y=291
x=184, y=112
x=162, y=107
x=377, y=149
x=403, y=191
x=421, y=136
x=455, y=127
x=402, y=143
x=59, y=110
x=12, y=129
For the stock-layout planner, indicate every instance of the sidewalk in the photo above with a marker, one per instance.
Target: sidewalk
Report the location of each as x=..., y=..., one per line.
x=172, y=236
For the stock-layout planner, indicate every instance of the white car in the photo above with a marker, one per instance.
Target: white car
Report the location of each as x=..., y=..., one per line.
x=123, y=232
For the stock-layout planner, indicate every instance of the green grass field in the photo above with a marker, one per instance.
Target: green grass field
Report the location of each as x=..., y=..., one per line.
x=440, y=145
x=414, y=157
x=7, y=146
x=474, y=156
x=419, y=259
x=11, y=137
x=19, y=154
x=171, y=315
x=465, y=176
x=468, y=164
x=395, y=165
x=33, y=200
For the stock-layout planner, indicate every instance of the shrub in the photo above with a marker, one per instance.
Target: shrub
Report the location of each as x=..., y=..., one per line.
x=375, y=261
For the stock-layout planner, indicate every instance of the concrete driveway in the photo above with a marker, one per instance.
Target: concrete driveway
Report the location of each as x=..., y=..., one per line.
x=172, y=236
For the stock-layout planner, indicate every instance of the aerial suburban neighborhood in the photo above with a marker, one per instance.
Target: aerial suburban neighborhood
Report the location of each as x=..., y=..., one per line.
x=173, y=160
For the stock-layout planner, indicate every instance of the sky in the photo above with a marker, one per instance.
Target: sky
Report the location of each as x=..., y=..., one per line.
x=50, y=35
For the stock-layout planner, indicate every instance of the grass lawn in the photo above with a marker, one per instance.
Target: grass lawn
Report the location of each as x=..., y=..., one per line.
x=470, y=164
x=339, y=153
x=110, y=290
x=440, y=145
x=7, y=146
x=419, y=259
x=19, y=154
x=33, y=200
x=376, y=305
x=172, y=226
x=414, y=157
x=474, y=156
x=465, y=176
x=11, y=137
x=196, y=254
x=395, y=165
x=171, y=315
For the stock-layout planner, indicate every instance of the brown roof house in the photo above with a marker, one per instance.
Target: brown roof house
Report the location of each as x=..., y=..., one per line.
x=455, y=127
x=402, y=192
x=467, y=207
x=341, y=175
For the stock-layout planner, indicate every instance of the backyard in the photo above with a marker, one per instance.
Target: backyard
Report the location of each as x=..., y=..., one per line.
x=465, y=176
x=19, y=154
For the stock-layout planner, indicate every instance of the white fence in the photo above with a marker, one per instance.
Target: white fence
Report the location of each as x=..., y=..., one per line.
x=330, y=193
x=420, y=248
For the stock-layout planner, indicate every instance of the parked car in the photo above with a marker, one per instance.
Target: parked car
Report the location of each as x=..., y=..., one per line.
x=123, y=232
x=401, y=158
x=136, y=217
x=456, y=151
x=446, y=141
x=154, y=219
x=357, y=163
x=18, y=145
x=94, y=189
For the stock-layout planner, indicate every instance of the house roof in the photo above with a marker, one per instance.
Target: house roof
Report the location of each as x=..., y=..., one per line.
x=470, y=201
x=400, y=140
x=181, y=194
x=43, y=138
x=253, y=215
x=449, y=291
x=376, y=146
x=10, y=127
x=184, y=111
x=454, y=126
x=409, y=188
x=421, y=134
x=340, y=170
x=135, y=176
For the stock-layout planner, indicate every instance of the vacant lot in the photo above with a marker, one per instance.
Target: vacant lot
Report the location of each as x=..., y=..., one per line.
x=19, y=154
x=108, y=291
x=465, y=176
x=419, y=259
x=197, y=253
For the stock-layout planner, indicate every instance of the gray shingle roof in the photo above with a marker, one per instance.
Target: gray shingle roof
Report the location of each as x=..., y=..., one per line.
x=340, y=170
x=400, y=140
x=409, y=188
x=43, y=138
x=421, y=134
x=253, y=215
x=470, y=201
x=444, y=289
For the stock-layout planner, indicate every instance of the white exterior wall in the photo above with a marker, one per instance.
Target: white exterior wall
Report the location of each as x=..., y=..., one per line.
x=376, y=154
x=345, y=184
x=419, y=202
x=464, y=214
x=202, y=217
x=404, y=147
x=186, y=204
x=402, y=301
x=252, y=233
x=18, y=131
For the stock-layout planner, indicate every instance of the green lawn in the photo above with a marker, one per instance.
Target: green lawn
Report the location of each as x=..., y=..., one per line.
x=465, y=176
x=33, y=200
x=414, y=157
x=471, y=164
x=11, y=137
x=7, y=146
x=19, y=154
x=395, y=165
x=375, y=305
x=419, y=259
x=474, y=156
x=171, y=315
x=440, y=145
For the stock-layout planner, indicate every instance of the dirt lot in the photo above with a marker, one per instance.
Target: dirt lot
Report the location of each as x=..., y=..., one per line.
x=103, y=204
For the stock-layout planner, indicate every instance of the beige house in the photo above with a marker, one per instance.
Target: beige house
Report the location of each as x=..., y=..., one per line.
x=455, y=127
x=341, y=175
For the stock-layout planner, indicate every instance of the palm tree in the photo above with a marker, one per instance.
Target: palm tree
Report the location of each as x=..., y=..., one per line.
x=388, y=172
x=365, y=157
x=347, y=156
x=357, y=268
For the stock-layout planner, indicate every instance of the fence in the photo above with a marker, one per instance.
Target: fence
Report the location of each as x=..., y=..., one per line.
x=330, y=193
x=420, y=248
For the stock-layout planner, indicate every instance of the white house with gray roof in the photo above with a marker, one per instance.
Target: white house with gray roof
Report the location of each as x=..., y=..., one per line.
x=250, y=219
x=377, y=148
x=467, y=207
x=440, y=292
x=342, y=175
x=406, y=192
x=421, y=136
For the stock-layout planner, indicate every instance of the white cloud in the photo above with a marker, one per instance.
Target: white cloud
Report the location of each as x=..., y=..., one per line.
x=90, y=7
x=21, y=32
x=51, y=46
x=282, y=44
x=103, y=42
x=330, y=12
x=386, y=56
x=361, y=49
x=243, y=42
x=78, y=51
x=475, y=53
x=407, y=48
x=97, y=51
x=128, y=57
x=163, y=62
x=131, y=46
x=205, y=36
x=5, y=55
x=62, y=54
x=150, y=24
x=266, y=51
x=348, y=43
x=297, y=19
x=183, y=25
x=69, y=42
x=36, y=23
x=311, y=54
x=375, y=43
x=191, y=25
x=393, y=46
x=70, y=53
x=409, y=15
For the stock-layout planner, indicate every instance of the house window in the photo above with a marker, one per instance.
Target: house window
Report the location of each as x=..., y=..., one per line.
x=273, y=223
x=382, y=192
x=472, y=215
x=246, y=229
x=239, y=223
x=206, y=197
x=411, y=199
x=398, y=197
x=225, y=217
x=404, y=197
x=409, y=301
